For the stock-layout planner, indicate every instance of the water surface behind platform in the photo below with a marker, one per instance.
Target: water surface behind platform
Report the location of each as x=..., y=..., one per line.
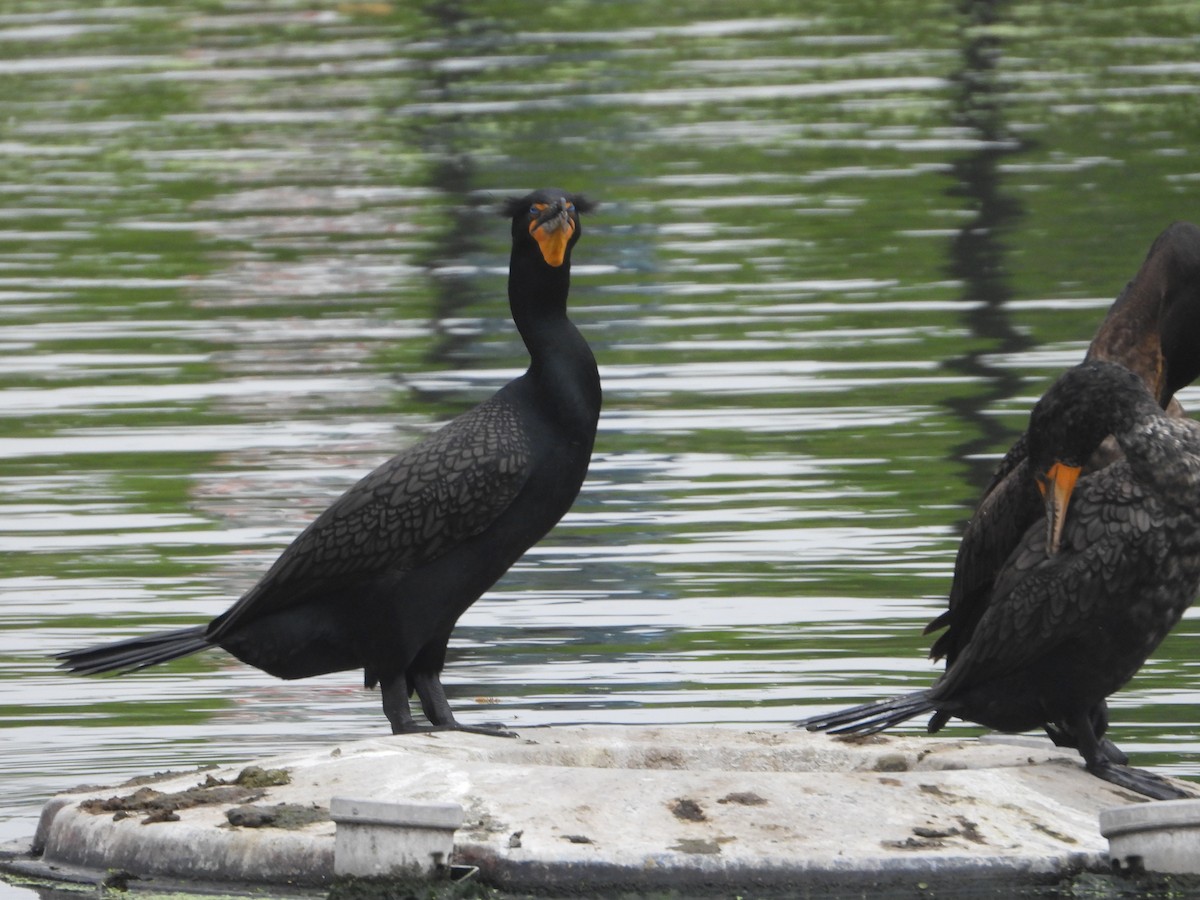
x=244, y=258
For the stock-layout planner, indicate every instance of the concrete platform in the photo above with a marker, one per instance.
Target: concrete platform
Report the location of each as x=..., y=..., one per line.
x=613, y=807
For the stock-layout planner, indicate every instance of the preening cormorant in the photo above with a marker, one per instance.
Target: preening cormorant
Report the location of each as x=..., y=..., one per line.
x=1090, y=590
x=378, y=580
x=1152, y=329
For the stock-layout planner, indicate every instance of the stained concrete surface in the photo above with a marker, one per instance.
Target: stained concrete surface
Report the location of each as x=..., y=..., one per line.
x=617, y=807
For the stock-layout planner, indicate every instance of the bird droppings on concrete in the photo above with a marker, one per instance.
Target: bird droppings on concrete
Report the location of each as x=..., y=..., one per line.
x=258, y=777
x=892, y=762
x=157, y=804
x=743, y=798
x=696, y=845
x=687, y=810
x=282, y=815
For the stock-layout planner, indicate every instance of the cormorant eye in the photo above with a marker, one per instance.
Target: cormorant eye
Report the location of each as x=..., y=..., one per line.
x=533, y=210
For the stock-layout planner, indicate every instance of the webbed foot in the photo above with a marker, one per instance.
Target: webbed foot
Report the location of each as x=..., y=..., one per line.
x=1139, y=781
x=493, y=730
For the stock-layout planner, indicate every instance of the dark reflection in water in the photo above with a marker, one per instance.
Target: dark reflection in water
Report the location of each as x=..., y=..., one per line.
x=446, y=142
x=978, y=251
x=462, y=221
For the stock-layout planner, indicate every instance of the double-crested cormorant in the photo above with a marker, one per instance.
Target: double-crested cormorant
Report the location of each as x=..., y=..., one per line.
x=1152, y=329
x=379, y=579
x=1089, y=592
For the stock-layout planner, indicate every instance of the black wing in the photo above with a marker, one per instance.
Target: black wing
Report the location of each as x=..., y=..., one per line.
x=409, y=511
x=1009, y=506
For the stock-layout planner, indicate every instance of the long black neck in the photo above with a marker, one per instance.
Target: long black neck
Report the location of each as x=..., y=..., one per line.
x=561, y=363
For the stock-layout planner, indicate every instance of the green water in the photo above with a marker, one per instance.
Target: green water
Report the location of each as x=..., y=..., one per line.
x=246, y=253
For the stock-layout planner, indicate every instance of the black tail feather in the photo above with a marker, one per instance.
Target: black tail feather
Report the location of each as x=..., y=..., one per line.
x=872, y=717
x=134, y=653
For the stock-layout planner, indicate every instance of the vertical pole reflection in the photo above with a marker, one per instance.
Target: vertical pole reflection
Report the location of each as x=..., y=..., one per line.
x=977, y=251
x=445, y=142
x=453, y=177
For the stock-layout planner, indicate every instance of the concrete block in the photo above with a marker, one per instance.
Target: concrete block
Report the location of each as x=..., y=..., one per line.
x=376, y=838
x=1162, y=836
x=618, y=808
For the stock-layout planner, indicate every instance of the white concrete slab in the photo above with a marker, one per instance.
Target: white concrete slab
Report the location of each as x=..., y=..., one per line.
x=637, y=807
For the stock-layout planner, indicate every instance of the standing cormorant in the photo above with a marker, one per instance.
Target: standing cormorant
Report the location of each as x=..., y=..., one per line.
x=1089, y=592
x=1152, y=329
x=379, y=579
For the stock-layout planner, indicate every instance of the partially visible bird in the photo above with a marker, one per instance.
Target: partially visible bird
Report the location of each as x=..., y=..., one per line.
x=1090, y=590
x=380, y=578
x=1152, y=329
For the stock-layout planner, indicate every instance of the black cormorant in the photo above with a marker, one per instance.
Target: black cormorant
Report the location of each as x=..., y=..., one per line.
x=1088, y=592
x=379, y=579
x=1152, y=329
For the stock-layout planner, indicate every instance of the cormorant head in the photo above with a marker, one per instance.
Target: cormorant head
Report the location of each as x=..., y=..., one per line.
x=550, y=219
x=1086, y=404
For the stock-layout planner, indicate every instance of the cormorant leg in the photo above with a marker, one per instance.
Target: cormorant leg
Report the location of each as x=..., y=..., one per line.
x=1098, y=763
x=395, y=705
x=436, y=707
x=1099, y=719
x=1062, y=736
x=1114, y=753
